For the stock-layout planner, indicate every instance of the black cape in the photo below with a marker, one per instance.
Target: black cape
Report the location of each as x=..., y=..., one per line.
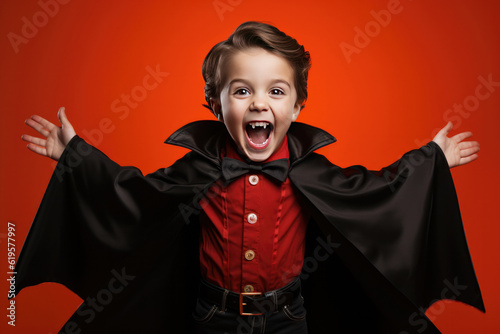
x=381, y=245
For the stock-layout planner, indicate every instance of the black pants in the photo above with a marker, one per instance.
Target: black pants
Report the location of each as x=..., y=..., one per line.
x=210, y=319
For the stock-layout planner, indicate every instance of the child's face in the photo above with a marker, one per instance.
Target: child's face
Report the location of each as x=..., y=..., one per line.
x=259, y=92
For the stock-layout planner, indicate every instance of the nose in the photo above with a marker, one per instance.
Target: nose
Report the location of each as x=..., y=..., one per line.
x=259, y=103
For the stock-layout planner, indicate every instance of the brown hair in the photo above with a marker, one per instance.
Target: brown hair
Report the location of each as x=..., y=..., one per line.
x=255, y=34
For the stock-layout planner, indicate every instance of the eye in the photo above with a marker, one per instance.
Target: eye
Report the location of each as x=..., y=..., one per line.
x=277, y=91
x=242, y=91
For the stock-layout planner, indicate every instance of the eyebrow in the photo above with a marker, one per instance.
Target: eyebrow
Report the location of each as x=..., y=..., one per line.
x=248, y=83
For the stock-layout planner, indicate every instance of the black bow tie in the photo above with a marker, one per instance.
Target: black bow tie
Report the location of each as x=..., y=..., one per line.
x=233, y=168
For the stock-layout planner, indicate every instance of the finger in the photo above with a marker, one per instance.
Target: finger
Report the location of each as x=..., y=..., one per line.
x=38, y=149
x=34, y=140
x=446, y=129
x=469, y=151
x=61, y=114
x=37, y=126
x=468, y=159
x=46, y=124
x=461, y=136
x=468, y=144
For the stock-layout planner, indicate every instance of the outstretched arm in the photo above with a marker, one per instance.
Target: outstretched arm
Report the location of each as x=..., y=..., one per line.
x=457, y=151
x=56, y=138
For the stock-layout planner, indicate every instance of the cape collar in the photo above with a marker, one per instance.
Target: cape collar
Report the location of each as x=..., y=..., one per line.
x=209, y=137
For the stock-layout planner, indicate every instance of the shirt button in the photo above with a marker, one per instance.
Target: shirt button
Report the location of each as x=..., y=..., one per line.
x=252, y=218
x=253, y=179
x=249, y=255
x=248, y=288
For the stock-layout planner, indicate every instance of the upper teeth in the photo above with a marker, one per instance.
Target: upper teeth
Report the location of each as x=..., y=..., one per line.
x=262, y=124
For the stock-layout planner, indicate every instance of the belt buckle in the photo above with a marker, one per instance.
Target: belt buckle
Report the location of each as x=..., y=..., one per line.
x=242, y=304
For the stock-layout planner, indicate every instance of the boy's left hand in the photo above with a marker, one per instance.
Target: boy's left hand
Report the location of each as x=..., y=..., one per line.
x=457, y=151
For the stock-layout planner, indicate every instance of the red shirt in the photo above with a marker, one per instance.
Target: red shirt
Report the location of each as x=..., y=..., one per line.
x=252, y=231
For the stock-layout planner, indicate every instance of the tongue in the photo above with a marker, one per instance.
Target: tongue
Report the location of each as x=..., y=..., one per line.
x=257, y=135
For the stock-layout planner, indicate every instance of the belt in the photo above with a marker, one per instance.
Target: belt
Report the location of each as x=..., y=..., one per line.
x=251, y=303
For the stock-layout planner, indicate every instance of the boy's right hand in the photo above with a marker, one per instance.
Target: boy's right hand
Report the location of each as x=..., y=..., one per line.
x=56, y=138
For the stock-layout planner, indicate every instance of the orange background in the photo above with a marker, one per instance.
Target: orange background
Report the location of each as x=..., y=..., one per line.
x=388, y=99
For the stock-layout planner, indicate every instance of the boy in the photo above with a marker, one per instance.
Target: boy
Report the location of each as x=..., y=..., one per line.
x=371, y=249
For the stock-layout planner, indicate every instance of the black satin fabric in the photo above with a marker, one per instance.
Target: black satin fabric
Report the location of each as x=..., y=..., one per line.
x=381, y=246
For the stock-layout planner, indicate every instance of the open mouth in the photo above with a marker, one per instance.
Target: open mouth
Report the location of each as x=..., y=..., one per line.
x=258, y=134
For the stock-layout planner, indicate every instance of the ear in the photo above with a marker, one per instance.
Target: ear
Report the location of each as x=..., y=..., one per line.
x=296, y=111
x=216, y=108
